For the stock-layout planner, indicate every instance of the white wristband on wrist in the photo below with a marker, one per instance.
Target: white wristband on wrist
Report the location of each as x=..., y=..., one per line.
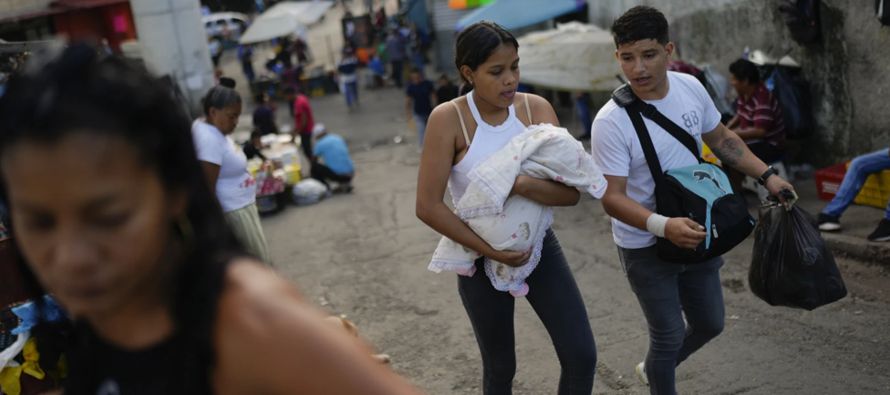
x=655, y=224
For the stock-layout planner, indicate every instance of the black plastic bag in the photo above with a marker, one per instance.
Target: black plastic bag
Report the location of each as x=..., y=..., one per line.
x=791, y=265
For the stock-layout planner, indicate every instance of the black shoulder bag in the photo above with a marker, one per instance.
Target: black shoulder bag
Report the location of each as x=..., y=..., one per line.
x=701, y=192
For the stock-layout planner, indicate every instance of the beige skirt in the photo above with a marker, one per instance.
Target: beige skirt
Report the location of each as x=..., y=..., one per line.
x=245, y=223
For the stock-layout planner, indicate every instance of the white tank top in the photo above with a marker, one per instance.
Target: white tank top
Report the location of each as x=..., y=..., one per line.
x=487, y=140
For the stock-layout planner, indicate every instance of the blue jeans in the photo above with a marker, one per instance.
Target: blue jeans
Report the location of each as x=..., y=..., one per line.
x=554, y=296
x=351, y=92
x=666, y=291
x=582, y=107
x=420, y=122
x=860, y=168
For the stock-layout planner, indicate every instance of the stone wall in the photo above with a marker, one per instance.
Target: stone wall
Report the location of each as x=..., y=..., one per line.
x=848, y=72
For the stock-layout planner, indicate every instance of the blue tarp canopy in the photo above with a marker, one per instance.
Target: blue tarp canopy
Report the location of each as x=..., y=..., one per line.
x=515, y=14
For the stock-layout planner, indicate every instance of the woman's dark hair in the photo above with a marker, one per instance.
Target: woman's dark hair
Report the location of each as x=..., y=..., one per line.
x=640, y=23
x=219, y=97
x=79, y=92
x=745, y=70
x=476, y=43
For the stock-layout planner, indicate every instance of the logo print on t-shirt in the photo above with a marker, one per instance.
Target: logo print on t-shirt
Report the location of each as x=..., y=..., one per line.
x=690, y=119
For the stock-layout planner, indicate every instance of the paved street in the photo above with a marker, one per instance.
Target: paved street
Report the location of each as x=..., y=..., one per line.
x=365, y=255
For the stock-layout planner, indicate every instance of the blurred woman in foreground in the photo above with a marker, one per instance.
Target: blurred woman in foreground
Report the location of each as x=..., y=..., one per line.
x=114, y=218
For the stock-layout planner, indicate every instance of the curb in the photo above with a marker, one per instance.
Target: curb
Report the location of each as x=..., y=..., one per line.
x=858, y=248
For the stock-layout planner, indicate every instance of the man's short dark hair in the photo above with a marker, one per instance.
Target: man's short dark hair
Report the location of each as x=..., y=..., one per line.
x=744, y=70
x=640, y=23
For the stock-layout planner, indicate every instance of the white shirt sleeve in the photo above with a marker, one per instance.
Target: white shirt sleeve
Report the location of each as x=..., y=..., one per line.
x=609, y=148
x=711, y=115
x=207, y=147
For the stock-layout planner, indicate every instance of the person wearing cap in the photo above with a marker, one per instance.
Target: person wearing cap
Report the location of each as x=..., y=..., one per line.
x=331, y=161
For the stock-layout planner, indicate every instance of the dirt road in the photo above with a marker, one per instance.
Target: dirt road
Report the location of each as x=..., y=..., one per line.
x=365, y=255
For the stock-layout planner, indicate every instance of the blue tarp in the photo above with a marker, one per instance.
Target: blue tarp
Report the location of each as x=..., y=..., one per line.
x=515, y=14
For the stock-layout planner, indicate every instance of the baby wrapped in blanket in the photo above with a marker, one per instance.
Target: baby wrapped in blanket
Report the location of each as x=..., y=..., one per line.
x=514, y=222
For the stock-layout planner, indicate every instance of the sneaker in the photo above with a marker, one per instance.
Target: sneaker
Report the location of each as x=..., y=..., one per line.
x=829, y=223
x=641, y=372
x=882, y=232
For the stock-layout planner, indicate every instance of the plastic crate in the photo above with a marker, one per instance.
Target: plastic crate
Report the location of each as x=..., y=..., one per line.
x=828, y=180
x=875, y=192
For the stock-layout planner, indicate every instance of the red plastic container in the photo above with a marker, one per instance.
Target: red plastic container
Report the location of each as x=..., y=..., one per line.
x=829, y=179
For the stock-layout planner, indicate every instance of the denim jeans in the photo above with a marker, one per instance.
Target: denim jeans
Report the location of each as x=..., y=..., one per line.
x=555, y=298
x=351, y=92
x=860, y=168
x=666, y=292
x=420, y=122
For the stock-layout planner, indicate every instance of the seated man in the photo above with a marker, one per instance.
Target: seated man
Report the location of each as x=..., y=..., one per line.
x=331, y=161
x=758, y=120
x=860, y=168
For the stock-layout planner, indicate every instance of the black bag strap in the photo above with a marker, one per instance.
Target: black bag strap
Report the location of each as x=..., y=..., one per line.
x=624, y=97
x=646, y=143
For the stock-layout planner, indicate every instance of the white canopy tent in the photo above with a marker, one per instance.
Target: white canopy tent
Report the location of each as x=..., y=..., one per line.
x=574, y=56
x=284, y=19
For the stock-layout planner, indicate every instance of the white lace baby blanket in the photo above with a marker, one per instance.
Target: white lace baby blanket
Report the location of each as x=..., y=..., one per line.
x=514, y=222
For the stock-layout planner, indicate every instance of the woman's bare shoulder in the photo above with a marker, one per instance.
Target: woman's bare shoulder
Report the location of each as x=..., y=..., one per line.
x=253, y=291
x=269, y=339
x=541, y=109
x=445, y=114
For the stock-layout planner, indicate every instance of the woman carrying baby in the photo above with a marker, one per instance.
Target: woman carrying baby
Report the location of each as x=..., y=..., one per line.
x=463, y=133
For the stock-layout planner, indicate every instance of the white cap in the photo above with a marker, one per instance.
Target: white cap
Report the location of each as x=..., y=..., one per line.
x=318, y=129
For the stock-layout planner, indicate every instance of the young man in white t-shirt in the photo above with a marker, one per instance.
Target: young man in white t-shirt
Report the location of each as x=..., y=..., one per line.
x=666, y=291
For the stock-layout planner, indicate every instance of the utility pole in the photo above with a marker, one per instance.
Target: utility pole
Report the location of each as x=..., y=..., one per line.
x=172, y=41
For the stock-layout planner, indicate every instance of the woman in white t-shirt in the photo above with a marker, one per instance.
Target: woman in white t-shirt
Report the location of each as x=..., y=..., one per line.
x=225, y=167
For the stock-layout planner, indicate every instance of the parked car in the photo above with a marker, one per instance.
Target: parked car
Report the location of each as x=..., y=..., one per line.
x=227, y=25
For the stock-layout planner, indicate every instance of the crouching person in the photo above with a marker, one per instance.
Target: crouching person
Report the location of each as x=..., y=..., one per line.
x=331, y=161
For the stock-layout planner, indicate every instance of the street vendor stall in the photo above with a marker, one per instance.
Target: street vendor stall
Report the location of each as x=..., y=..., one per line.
x=277, y=174
x=287, y=23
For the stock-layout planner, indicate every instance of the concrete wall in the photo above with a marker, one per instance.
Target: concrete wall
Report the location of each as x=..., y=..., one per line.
x=849, y=71
x=172, y=42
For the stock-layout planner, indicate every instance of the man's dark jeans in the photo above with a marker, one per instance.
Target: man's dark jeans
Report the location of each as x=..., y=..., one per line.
x=666, y=292
x=324, y=174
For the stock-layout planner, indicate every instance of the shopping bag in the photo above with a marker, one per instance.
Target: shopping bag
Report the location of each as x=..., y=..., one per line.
x=791, y=265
